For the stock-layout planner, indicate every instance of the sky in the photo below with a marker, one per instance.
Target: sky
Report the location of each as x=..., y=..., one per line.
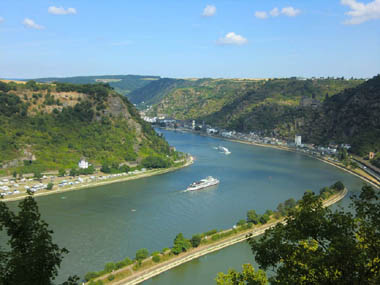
x=190, y=38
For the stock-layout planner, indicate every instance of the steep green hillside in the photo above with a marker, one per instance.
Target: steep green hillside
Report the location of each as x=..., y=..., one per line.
x=124, y=84
x=351, y=116
x=202, y=97
x=156, y=90
x=218, y=99
x=51, y=126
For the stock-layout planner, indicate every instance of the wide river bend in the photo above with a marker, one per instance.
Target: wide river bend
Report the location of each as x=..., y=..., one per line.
x=109, y=223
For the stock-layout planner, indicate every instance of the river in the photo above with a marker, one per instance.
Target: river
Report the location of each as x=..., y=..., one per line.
x=111, y=222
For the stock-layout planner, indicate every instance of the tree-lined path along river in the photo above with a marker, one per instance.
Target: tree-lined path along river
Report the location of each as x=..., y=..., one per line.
x=111, y=222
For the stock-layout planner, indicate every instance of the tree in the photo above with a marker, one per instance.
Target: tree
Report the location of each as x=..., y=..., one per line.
x=289, y=204
x=339, y=186
x=74, y=172
x=247, y=276
x=37, y=175
x=33, y=257
x=156, y=257
x=319, y=246
x=196, y=240
x=61, y=172
x=180, y=244
x=14, y=174
x=50, y=186
x=141, y=254
x=253, y=217
x=264, y=219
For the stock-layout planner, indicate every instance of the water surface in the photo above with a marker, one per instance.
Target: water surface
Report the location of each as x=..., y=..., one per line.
x=111, y=222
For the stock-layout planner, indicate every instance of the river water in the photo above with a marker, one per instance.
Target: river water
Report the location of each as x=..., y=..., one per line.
x=111, y=222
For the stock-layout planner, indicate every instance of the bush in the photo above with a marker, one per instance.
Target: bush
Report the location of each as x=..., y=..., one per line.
x=111, y=277
x=253, y=217
x=181, y=244
x=155, y=162
x=50, y=186
x=241, y=223
x=165, y=250
x=109, y=267
x=156, y=258
x=37, y=175
x=209, y=233
x=339, y=186
x=91, y=275
x=196, y=240
x=142, y=254
x=61, y=173
x=264, y=219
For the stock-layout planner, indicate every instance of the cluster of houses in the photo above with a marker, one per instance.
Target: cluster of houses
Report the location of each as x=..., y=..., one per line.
x=11, y=187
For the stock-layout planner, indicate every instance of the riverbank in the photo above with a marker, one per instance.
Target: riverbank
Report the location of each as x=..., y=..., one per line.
x=94, y=184
x=131, y=274
x=358, y=173
x=363, y=175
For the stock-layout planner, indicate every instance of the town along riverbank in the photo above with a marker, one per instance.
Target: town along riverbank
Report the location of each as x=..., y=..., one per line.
x=365, y=176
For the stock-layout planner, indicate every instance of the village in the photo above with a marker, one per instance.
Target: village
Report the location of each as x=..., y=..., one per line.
x=330, y=152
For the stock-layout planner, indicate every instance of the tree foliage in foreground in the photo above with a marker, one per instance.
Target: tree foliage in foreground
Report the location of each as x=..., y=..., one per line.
x=247, y=276
x=320, y=246
x=33, y=258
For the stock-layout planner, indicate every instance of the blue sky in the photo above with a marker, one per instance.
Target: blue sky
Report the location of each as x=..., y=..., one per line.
x=190, y=38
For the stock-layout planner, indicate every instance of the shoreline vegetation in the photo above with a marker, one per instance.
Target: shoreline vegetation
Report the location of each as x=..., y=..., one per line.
x=145, y=266
x=151, y=172
x=357, y=172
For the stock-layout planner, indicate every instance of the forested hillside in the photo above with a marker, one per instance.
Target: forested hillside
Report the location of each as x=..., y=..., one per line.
x=51, y=126
x=123, y=84
x=351, y=116
x=200, y=97
x=210, y=98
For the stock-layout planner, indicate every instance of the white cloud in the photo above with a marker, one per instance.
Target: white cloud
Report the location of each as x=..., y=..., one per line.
x=29, y=23
x=61, y=11
x=274, y=12
x=290, y=11
x=232, y=39
x=361, y=12
x=1, y=19
x=209, y=11
x=261, y=14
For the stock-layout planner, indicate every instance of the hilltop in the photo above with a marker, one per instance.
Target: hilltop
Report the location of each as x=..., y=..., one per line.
x=123, y=84
x=52, y=126
x=222, y=101
x=352, y=116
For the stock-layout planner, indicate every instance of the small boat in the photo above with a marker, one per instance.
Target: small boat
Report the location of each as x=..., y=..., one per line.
x=207, y=182
x=224, y=149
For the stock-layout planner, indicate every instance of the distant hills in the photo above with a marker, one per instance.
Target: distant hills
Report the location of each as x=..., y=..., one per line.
x=124, y=84
x=321, y=110
x=228, y=102
x=52, y=126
